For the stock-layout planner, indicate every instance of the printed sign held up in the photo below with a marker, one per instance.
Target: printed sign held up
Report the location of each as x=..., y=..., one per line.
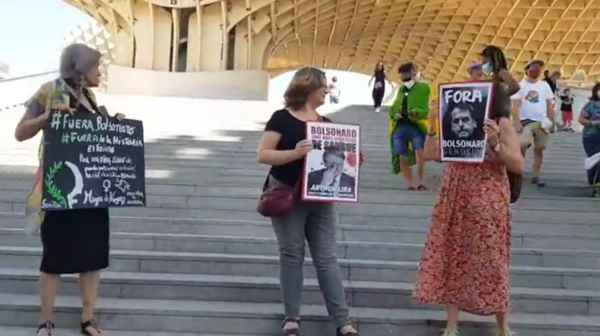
x=331, y=169
x=463, y=108
x=91, y=161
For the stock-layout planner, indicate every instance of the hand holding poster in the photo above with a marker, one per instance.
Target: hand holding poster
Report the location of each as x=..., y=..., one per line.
x=463, y=108
x=91, y=161
x=331, y=169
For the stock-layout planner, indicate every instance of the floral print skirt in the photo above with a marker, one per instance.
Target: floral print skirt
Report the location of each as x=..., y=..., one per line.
x=467, y=253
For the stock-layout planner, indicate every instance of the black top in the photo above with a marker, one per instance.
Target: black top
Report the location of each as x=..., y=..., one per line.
x=404, y=112
x=552, y=84
x=379, y=77
x=564, y=106
x=292, y=131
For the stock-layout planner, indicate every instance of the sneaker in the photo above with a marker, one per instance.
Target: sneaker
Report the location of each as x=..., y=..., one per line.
x=450, y=332
x=377, y=110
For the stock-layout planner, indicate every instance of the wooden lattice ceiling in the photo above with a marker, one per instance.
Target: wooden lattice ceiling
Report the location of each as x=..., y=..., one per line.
x=443, y=37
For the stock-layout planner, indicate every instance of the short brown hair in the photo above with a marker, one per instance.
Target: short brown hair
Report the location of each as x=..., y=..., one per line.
x=305, y=81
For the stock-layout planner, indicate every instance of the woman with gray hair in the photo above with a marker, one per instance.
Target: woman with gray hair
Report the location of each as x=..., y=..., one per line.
x=74, y=241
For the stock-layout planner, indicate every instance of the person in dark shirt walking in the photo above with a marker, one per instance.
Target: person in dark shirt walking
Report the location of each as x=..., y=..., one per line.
x=566, y=109
x=379, y=86
x=551, y=79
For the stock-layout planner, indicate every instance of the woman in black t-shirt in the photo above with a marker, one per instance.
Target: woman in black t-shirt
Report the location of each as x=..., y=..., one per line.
x=283, y=147
x=379, y=86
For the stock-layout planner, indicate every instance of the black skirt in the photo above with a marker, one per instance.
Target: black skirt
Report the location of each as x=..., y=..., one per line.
x=75, y=241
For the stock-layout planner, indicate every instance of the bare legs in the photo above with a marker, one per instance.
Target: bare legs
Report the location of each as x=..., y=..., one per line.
x=48, y=286
x=538, y=158
x=89, y=284
x=452, y=313
x=406, y=170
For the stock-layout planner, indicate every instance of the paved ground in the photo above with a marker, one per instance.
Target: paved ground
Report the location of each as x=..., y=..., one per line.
x=200, y=260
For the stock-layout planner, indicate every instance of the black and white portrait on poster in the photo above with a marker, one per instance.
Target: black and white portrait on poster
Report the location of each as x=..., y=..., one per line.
x=331, y=169
x=463, y=108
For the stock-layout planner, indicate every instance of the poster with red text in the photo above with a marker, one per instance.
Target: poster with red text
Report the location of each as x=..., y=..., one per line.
x=331, y=169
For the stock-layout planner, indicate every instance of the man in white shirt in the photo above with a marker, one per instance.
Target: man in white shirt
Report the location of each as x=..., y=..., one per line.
x=533, y=115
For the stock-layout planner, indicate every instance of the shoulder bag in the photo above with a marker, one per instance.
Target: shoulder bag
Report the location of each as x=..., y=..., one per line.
x=277, y=199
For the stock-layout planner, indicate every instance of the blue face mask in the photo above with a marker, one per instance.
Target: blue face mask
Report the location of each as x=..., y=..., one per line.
x=488, y=68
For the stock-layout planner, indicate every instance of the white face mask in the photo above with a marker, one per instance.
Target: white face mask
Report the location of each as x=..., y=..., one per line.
x=410, y=83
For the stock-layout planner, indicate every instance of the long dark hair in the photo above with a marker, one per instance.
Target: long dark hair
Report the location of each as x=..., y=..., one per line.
x=496, y=57
x=501, y=105
x=595, y=90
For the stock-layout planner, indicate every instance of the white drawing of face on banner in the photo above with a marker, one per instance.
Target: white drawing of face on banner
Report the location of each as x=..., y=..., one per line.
x=78, y=185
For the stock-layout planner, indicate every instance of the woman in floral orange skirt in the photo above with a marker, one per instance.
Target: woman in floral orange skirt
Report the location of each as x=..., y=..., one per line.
x=465, y=264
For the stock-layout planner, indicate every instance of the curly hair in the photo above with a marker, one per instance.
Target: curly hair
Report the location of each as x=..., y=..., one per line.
x=496, y=57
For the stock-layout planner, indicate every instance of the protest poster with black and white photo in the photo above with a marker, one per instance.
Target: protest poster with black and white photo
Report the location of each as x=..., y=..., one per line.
x=463, y=108
x=331, y=169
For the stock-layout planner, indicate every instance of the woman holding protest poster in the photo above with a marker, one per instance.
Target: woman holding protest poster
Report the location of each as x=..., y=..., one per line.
x=465, y=264
x=74, y=241
x=284, y=146
x=589, y=118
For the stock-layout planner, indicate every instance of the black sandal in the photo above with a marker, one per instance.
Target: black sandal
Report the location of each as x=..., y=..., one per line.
x=48, y=325
x=86, y=325
x=292, y=331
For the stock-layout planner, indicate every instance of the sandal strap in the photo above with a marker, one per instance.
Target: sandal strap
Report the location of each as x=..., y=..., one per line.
x=48, y=325
x=291, y=319
x=88, y=324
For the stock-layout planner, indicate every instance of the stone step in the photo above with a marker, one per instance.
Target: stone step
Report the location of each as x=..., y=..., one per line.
x=383, y=230
x=186, y=195
x=28, y=331
x=263, y=265
x=265, y=319
x=403, y=250
x=376, y=180
x=19, y=189
x=191, y=287
x=244, y=209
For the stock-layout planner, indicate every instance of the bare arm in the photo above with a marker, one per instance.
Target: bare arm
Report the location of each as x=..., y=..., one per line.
x=371, y=80
x=267, y=154
x=431, y=149
x=507, y=78
x=33, y=120
x=516, y=107
x=550, y=106
x=510, y=152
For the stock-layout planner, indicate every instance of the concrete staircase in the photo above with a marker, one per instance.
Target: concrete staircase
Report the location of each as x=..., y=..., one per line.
x=200, y=261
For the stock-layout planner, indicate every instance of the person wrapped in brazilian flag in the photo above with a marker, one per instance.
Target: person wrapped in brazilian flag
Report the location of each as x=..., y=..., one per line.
x=409, y=122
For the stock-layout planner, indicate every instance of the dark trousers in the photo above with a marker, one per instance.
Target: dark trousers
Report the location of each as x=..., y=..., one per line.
x=378, y=97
